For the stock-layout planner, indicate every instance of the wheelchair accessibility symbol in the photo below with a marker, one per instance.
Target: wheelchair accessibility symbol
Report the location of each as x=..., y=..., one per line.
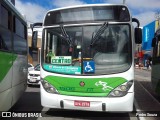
x=89, y=66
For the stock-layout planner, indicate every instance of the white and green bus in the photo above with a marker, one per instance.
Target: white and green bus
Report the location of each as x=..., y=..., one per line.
x=13, y=55
x=155, y=76
x=87, y=58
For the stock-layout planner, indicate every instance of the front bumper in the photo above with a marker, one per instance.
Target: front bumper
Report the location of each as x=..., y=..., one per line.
x=33, y=81
x=116, y=104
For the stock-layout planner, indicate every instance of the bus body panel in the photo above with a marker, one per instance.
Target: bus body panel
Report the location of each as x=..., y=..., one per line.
x=118, y=104
x=13, y=84
x=112, y=104
x=5, y=80
x=6, y=70
x=20, y=70
x=19, y=82
x=6, y=99
x=17, y=91
x=155, y=77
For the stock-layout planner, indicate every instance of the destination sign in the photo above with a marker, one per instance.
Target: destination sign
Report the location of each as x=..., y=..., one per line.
x=61, y=60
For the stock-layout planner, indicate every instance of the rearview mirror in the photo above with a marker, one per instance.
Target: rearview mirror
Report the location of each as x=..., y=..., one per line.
x=138, y=35
x=34, y=39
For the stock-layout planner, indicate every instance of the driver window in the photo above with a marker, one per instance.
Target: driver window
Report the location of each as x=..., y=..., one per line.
x=158, y=46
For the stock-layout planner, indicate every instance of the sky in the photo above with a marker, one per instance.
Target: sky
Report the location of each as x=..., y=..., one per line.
x=35, y=10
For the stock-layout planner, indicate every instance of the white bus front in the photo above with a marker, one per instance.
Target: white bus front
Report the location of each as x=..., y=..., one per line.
x=87, y=59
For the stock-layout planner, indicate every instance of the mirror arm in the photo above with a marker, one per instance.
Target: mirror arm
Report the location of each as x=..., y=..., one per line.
x=34, y=25
x=136, y=20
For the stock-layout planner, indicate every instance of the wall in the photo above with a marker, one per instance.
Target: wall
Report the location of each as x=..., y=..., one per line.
x=148, y=34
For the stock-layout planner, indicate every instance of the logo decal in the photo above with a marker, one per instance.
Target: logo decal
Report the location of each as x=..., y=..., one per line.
x=89, y=66
x=104, y=85
x=82, y=84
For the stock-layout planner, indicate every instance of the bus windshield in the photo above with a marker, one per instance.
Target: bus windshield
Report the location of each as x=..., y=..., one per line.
x=110, y=52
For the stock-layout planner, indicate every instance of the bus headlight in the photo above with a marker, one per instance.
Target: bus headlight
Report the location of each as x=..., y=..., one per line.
x=48, y=87
x=121, y=90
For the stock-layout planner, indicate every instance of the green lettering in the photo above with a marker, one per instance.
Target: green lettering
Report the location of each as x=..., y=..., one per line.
x=59, y=60
x=62, y=60
x=89, y=89
x=61, y=57
x=65, y=60
x=69, y=60
x=53, y=60
x=67, y=88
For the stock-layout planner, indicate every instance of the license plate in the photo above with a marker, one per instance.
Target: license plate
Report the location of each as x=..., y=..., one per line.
x=33, y=79
x=82, y=103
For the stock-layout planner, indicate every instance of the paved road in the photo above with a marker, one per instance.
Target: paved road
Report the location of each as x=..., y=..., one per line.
x=144, y=78
x=145, y=99
x=145, y=103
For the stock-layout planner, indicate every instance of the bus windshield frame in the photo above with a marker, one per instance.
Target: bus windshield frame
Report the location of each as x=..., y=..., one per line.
x=115, y=57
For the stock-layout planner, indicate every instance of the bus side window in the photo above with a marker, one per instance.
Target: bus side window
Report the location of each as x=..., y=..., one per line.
x=54, y=44
x=5, y=29
x=19, y=37
x=154, y=42
x=2, y=44
x=156, y=46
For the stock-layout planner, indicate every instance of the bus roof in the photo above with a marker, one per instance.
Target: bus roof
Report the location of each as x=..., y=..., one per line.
x=86, y=5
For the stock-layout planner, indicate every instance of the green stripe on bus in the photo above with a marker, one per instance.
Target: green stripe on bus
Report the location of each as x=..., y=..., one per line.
x=85, y=86
x=6, y=63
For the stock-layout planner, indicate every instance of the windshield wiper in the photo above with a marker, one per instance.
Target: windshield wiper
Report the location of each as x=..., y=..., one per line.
x=99, y=33
x=64, y=34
